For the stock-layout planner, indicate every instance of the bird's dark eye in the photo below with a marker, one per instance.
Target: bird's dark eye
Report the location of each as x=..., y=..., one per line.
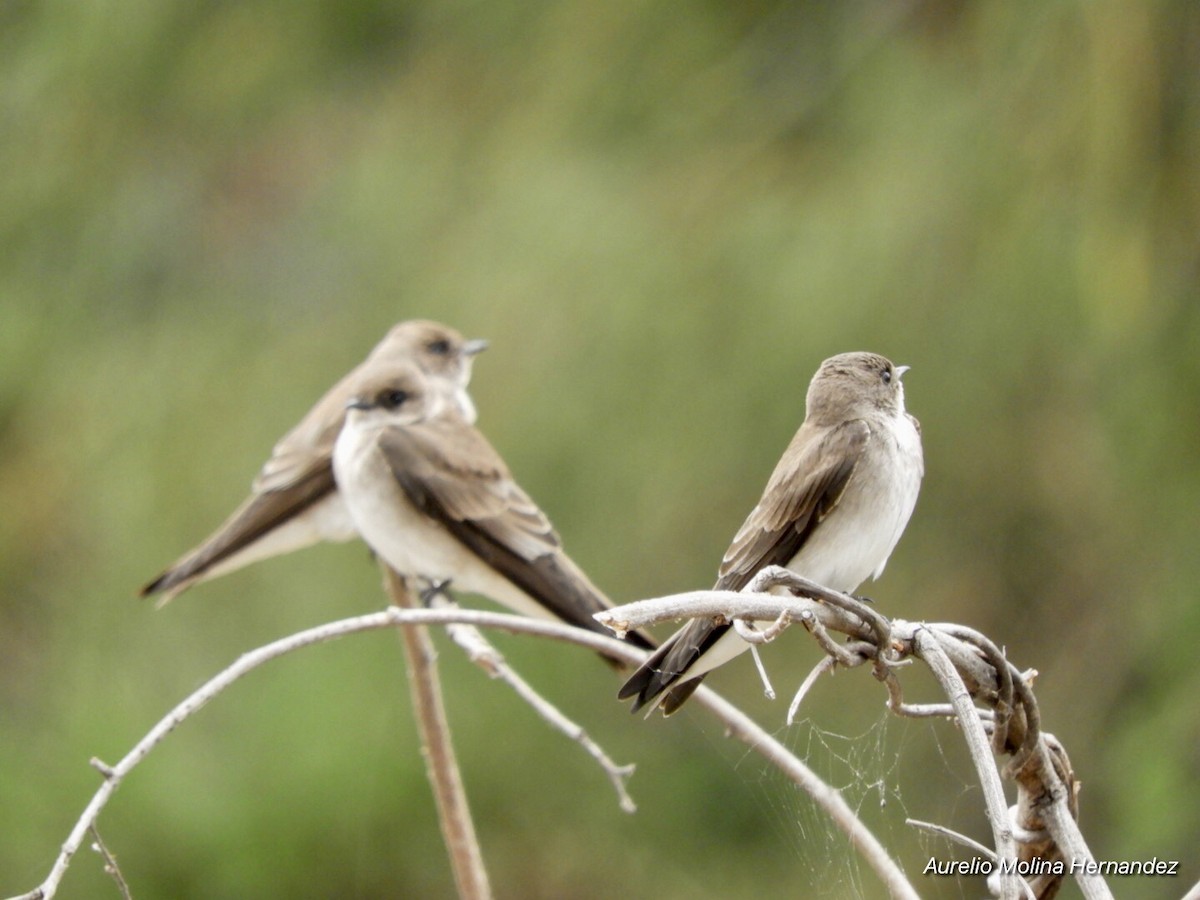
x=886, y=375
x=393, y=398
x=439, y=347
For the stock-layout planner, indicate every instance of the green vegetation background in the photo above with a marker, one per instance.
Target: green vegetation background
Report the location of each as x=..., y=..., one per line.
x=663, y=216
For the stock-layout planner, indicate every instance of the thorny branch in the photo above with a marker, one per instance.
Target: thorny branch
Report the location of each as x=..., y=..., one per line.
x=972, y=671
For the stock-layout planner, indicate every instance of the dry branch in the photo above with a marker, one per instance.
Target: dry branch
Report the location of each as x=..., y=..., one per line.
x=441, y=764
x=110, y=864
x=737, y=724
x=248, y=662
x=1046, y=786
x=479, y=651
x=927, y=646
x=972, y=670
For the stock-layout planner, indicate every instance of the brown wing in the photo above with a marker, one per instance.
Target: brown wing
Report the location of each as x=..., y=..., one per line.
x=260, y=514
x=805, y=486
x=453, y=475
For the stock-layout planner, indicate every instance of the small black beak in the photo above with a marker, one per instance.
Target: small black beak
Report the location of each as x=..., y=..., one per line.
x=359, y=403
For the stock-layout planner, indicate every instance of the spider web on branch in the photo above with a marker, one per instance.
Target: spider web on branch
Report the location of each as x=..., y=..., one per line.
x=888, y=770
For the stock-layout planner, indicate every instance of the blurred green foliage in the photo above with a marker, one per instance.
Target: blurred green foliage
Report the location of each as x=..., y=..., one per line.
x=663, y=216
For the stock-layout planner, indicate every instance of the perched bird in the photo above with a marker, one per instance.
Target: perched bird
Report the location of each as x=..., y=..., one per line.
x=294, y=502
x=436, y=502
x=832, y=512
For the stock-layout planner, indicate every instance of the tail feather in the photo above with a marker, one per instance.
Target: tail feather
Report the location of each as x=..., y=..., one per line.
x=666, y=671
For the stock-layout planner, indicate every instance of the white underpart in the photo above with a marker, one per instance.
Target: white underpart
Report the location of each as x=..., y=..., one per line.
x=854, y=541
